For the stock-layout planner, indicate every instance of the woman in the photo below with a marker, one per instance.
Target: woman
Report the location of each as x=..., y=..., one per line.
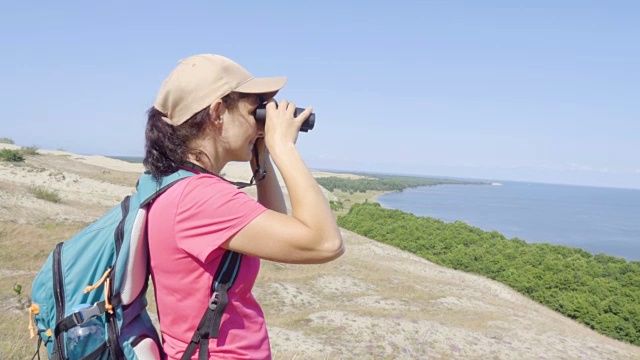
x=201, y=120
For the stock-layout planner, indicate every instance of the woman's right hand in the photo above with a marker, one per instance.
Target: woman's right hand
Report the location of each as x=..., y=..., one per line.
x=281, y=127
x=310, y=234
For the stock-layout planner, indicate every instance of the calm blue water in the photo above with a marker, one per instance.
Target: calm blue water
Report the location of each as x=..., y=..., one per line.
x=598, y=220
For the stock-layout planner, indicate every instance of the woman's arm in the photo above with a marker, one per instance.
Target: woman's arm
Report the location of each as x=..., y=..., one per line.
x=310, y=234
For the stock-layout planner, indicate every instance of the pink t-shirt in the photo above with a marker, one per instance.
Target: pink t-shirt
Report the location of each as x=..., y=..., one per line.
x=186, y=226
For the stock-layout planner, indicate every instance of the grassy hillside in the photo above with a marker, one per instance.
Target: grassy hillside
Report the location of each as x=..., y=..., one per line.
x=375, y=302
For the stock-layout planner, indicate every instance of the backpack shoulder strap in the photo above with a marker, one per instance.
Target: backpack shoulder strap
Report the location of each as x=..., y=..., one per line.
x=209, y=325
x=148, y=187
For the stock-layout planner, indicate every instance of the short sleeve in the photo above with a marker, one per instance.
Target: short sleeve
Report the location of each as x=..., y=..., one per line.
x=211, y=211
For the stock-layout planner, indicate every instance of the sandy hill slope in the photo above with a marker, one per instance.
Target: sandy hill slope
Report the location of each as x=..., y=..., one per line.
x=375, y=302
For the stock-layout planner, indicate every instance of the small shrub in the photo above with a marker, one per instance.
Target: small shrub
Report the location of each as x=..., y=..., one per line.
x=42, y=193
x=31, y=150
x=22, y=301
x=336, y=205
x=7, y=141
x=50, y=226
x=11, y=155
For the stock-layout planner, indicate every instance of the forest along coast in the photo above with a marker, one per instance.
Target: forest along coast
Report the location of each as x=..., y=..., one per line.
x=600, y=291
x=362, y=187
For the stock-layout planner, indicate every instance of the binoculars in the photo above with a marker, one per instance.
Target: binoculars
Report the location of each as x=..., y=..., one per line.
x=261, y=117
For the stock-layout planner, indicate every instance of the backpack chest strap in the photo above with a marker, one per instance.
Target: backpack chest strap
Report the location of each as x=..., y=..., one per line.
x=83, y=315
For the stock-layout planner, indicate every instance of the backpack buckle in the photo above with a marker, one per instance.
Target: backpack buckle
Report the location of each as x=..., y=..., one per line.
x=85, y=314
x=213, y=303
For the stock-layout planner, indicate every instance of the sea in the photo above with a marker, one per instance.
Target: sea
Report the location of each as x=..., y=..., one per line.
x=598, y=220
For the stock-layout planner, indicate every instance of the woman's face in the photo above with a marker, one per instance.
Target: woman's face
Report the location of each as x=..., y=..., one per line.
x=240, y=130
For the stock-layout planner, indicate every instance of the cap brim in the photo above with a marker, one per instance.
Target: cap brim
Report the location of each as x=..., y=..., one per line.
x=267, y=86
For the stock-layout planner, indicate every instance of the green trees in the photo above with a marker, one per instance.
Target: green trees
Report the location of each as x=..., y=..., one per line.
x=336, y=205
x=600, y=291
x=381, y=183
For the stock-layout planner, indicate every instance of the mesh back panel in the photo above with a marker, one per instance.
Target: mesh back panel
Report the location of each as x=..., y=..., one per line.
x=147, y=350
x=136, y=275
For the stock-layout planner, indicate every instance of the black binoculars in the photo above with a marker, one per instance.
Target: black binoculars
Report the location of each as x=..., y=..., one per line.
x=261, y=117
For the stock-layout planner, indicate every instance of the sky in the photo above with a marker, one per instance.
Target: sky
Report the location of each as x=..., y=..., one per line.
x=539, y=91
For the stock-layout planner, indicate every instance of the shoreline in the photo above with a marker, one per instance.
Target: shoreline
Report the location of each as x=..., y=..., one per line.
x=584, y=247
x=432, y=185
x=352, y=198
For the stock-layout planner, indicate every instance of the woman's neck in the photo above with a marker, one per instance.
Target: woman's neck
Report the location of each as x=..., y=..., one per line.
x=203, y=152
x=206, y=160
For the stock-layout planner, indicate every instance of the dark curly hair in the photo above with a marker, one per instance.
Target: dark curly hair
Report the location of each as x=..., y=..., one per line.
x=167, y=146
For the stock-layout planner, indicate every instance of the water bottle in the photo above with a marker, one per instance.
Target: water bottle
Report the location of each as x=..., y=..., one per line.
x=85, y=338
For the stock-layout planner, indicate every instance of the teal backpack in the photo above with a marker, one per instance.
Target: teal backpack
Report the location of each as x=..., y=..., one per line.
x=92, y=288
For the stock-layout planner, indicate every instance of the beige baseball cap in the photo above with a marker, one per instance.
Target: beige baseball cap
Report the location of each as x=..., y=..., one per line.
x=199, y=80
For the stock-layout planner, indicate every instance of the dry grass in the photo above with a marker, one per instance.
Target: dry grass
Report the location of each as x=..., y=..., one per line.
x=30, y=150
x=42, y=193
x=14, y=342
x=368, y=295
x=25, y=248
x=63, y=163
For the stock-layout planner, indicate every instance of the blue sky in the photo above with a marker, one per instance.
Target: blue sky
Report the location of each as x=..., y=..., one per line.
x=543, y=91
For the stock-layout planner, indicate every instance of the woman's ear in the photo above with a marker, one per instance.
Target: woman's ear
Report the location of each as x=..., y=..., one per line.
x=216, y=110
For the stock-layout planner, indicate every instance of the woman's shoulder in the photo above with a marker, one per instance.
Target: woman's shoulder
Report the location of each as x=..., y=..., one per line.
x=208, y=184
x=206, y=179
